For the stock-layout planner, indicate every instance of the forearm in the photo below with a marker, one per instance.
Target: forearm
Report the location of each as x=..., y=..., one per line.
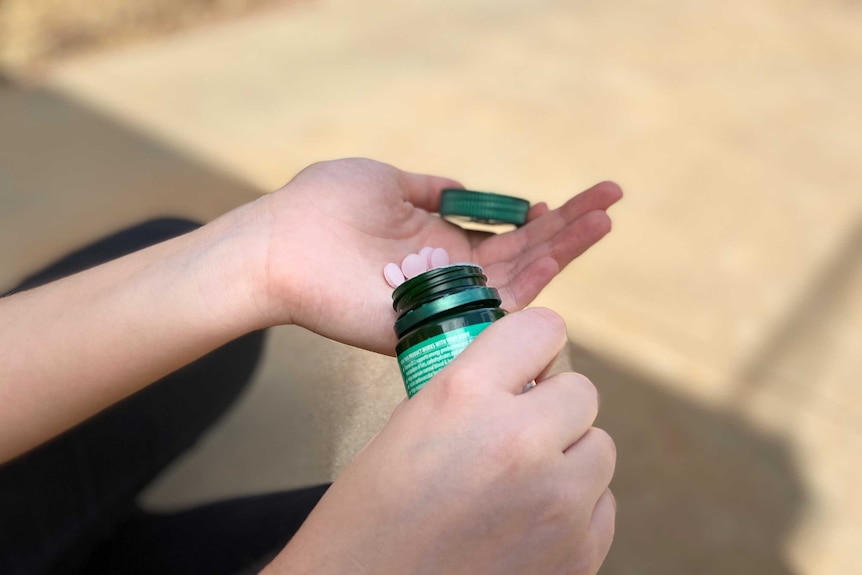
x=73, y=347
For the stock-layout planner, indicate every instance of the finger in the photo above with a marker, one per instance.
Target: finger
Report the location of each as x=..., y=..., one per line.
x=568, y=404
x=592, y=459
x=519, y=289
x=578, y=237
x=601, y=196
x=541, y=229
x=600, y=532
x=508, y=354
x=537, y=210
x=533, y=270
x=477, y=237
x=423, y=190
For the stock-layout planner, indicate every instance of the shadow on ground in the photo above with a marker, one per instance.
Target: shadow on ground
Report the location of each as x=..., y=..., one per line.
x=803, y=335
x=699, y=491
x=70, y=174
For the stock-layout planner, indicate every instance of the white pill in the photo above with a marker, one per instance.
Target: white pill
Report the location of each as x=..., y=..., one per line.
x=439, y=258
x=413, y=265
x=393, y=275
x=426, y=253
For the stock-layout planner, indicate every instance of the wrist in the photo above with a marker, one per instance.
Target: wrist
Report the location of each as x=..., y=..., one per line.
x=233, y=277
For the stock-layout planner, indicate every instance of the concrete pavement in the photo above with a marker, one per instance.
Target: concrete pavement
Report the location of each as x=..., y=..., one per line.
x=727, y=298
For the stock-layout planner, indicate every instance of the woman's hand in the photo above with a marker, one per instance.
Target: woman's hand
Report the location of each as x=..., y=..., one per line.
x=332, y=229
x=472, y=476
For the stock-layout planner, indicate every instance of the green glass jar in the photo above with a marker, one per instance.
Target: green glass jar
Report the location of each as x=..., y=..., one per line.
x=439, y=313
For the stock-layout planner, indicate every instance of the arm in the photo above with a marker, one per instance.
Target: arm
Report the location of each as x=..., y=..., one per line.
x=75, y=346
x=309, y=254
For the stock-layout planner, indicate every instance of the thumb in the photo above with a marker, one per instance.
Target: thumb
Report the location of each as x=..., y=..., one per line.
x=509, y=353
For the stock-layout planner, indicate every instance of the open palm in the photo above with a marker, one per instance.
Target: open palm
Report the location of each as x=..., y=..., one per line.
x=336, y=224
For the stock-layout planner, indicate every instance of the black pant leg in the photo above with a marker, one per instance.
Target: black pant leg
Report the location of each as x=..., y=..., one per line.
x=226, y=538
x=58, y=500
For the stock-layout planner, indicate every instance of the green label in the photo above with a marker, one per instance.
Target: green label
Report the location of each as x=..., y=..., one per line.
x=422, y=361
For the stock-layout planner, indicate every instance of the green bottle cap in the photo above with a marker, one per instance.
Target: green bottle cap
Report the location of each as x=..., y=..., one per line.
x=483, y=207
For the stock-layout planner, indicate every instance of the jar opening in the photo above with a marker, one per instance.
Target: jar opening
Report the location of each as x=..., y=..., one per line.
x=436, y=283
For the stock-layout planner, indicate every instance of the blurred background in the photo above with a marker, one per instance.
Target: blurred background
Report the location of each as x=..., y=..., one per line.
x=721, y=320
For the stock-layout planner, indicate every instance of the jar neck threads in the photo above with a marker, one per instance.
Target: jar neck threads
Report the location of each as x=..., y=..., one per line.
x=439, y=291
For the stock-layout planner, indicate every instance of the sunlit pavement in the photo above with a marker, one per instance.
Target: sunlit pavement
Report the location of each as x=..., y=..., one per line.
x=728, y=296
